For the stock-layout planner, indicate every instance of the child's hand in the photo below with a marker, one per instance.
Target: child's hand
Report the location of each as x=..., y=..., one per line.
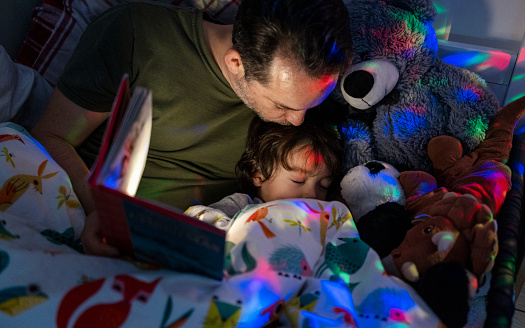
x=92, y=242
x=210, y=215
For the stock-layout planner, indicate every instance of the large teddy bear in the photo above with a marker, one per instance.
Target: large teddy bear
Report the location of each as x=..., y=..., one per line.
x=400, y=94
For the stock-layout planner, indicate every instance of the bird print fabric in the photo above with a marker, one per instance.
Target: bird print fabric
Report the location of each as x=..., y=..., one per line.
x=298, y=263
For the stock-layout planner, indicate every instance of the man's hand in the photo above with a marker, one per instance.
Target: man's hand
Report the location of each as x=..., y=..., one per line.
x=92, y=240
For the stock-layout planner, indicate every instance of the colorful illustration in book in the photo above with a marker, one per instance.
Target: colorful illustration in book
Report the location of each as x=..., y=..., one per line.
x=119, y=176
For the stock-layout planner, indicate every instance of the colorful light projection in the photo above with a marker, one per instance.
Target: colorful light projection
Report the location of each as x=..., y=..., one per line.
x=518, y=78
x=478, y=61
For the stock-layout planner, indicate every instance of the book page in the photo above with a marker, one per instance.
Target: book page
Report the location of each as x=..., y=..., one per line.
x=126, y=158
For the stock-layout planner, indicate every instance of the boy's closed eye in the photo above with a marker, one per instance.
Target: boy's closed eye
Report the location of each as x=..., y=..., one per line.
x=324, y=187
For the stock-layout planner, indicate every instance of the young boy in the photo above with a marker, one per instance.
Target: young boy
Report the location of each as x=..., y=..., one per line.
x=280, y=162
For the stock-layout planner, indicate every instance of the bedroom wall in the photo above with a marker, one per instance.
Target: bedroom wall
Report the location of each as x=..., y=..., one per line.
x=487, y=37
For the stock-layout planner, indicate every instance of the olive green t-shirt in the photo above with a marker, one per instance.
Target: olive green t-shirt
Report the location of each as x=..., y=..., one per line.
x=199, y=123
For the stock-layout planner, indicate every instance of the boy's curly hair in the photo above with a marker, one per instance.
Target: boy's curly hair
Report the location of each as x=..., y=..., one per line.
x=269, y=145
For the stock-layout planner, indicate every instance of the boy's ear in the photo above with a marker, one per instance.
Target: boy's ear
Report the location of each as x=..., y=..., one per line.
x=258, y=179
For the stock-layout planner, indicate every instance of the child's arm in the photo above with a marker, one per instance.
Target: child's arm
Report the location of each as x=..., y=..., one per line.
x=233, y=203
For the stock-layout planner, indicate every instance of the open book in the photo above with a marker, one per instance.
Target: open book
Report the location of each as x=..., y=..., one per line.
x=143, y=229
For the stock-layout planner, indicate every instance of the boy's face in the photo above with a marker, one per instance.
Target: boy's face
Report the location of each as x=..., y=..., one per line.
x=305, y=180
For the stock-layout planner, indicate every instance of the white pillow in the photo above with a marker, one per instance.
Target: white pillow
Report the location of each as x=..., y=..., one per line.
x=23, y=92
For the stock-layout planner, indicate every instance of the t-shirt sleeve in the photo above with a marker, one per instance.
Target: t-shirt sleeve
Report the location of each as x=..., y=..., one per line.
x=233, y=203
x=102, y=56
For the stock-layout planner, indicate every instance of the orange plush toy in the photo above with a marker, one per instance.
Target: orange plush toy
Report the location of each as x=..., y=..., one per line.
x=453, y=210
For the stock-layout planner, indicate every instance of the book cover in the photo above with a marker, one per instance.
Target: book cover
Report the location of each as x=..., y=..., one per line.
x=143, y=229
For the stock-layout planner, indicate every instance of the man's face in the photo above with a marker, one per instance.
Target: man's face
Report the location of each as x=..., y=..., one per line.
x=288, y=95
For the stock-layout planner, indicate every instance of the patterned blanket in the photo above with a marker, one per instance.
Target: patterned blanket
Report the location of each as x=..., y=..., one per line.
x=297, y=261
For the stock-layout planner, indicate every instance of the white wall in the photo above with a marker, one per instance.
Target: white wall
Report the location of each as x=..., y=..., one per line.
x=485, y=36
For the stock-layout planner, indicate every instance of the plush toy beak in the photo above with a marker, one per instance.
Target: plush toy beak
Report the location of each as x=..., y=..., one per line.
x=367, y=83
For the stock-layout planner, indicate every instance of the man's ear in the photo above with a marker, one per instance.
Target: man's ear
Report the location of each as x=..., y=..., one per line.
x=234, y=62
x=258, y=179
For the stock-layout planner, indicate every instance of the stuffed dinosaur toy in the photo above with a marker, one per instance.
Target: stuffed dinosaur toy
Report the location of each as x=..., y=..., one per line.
x=454, y=209
x=399, y=94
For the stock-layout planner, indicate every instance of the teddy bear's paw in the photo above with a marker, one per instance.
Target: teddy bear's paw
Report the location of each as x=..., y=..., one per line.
x=444, y=152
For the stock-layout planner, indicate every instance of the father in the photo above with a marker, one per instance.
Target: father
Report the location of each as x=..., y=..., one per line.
x=279, y=58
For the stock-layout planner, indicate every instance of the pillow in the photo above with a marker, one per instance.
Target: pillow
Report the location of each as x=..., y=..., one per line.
x=23, y=92
x=58, y=24
x=34, y=188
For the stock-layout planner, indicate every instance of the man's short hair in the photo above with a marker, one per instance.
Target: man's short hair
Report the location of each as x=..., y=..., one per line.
x=314, y=34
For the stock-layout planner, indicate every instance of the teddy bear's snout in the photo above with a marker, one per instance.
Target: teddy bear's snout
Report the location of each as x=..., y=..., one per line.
x=367, y=83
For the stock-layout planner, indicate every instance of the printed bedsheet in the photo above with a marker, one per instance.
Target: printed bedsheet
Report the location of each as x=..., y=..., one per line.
x=297, y=261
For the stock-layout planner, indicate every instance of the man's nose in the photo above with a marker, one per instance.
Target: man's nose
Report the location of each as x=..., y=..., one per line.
x=295, y=117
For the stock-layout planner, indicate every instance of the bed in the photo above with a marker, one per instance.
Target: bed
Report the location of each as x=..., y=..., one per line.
x=46, y=281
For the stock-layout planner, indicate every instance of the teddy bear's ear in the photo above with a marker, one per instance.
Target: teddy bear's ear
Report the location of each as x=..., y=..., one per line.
x=367, y=83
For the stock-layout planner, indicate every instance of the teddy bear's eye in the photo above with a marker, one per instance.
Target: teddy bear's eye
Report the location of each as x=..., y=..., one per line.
x=428, y=229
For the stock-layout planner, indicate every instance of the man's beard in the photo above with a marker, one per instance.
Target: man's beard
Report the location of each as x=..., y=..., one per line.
x=243, y=92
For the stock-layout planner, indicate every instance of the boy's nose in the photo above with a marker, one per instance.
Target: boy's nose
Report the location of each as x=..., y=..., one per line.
x=295, y=117
x=309, y=193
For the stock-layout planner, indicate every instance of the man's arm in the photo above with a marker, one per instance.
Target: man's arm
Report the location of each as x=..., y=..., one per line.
x=62, y=127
